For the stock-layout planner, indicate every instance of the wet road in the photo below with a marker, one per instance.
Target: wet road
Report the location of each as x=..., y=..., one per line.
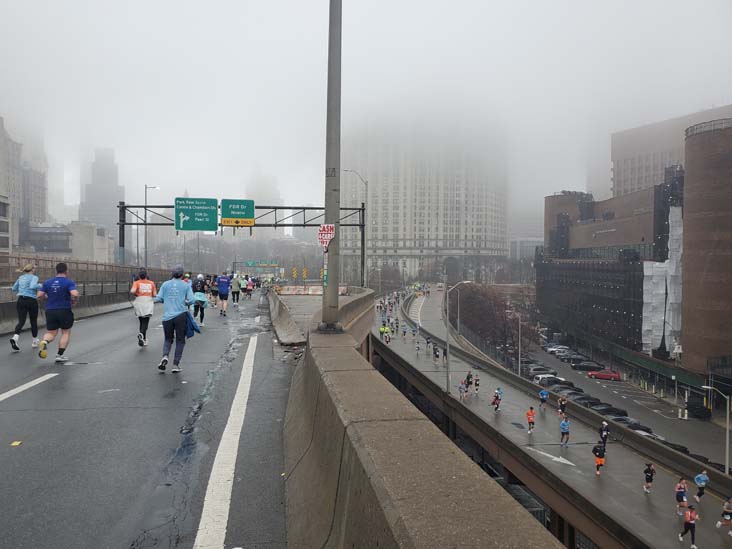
x=105, y=452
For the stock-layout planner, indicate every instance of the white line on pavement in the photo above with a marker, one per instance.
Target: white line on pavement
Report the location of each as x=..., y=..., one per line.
x=215, y=516
x=12, y=392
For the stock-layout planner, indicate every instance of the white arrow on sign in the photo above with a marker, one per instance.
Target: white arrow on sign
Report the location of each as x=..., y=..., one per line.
x=553, y=458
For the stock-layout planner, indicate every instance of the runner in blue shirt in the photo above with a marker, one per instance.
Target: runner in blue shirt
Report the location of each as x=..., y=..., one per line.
x=27, y=305
x=701, y=480
x=176, y=296
x=543, y=395
x=224, y=285
x=60, y=294
x=564, y=429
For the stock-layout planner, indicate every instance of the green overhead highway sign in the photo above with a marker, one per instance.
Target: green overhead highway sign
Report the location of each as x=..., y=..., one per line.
x=237, y=213
x=196, y=214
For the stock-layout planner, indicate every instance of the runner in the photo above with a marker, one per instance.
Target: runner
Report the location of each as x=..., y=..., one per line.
x=690, y=518
x=604, y=433
x=250, y=288
x=26, y=287
x=224, y=285
x=680, y=491
x=176, y=296
x=404, y=334
x=562, y=406
x=726, y=515
x=462, y=389
x=476, y=381
x=468, y=381
x=543, y=396
x=496, y=402
x=599, y=452
x=414, y=333
x=435, y=354
x=144, y=291
x=531, y=418
x=199, y=288
x=564, y=430
x=235, y=289
x=416, y=348
x=382, y=331
x=61, y=295
x=444, y=355
x=215, y=291
x=701, y=480
x=649, y=472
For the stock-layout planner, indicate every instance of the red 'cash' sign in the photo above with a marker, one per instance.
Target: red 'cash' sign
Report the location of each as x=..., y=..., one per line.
x=325, y=234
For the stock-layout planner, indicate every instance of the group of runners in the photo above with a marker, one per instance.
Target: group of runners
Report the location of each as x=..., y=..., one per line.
x=178, y=295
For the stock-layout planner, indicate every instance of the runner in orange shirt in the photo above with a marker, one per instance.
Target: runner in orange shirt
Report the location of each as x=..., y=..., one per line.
x=530, y=417
x=144, y=291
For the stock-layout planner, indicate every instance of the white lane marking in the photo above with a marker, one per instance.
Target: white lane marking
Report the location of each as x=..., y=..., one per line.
x=12, y=392
x=215, y=516
x=419, y=312
x=553, y=458
x=107, y=391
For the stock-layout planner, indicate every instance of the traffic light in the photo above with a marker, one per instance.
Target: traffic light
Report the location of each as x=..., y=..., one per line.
x=294, y=273
x=304, y=273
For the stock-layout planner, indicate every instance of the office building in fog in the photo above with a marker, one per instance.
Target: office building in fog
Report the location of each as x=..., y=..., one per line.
x=430, y=198
x=103, y=194
x=640, y=155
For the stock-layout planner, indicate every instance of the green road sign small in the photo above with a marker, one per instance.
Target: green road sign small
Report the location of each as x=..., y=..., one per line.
x=237, y=213
x=196, y=214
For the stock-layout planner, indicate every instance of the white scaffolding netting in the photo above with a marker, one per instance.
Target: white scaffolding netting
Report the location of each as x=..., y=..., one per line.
x=662, y=292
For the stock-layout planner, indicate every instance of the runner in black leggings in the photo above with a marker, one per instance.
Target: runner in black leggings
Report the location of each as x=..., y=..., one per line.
x=27, y=305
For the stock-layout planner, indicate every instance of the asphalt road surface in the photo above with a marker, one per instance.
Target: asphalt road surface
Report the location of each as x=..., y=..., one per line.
x=105, y=452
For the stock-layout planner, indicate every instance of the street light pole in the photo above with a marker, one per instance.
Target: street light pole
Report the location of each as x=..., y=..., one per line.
x=447, y=336
x=726, y=442
x=146, y=189
x=333, y=169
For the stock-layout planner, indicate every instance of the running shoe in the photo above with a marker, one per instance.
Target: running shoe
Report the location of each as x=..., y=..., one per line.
x=140, y=340
x=42, y=352
x=201, y=325
x=35, y=343
x=145, y=344
x=14, y=343
x=175, y=369
x=163, y=363
x=60, y=359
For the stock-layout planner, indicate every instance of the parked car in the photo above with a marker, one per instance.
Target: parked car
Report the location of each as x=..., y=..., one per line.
x=555, y=382
x=580, y=396
x=536, y=370
x=587, y=366
x=573, y=359
x=609, y=375
x=717, y=466
x=608, y=410
x=563, y=390
x=552, y=349
x=538, y=378
x=699, y=457
x=630, y=423
x=569, y=394
x=653, y=436
x=587, y=401
x=681, y=448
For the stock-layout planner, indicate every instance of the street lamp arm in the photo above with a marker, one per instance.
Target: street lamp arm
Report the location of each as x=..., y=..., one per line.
x=364, y=181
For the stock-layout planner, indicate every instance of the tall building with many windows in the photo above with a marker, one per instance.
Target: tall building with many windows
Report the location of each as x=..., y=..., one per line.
x=430, y=198
x=640, y=155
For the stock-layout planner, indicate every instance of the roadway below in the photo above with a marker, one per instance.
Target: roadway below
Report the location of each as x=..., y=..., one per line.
x=618, y=491
x=106, y=452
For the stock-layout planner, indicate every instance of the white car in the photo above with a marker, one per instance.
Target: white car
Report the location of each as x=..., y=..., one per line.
x=554, y=348
x=649, y=435
x=539, y=377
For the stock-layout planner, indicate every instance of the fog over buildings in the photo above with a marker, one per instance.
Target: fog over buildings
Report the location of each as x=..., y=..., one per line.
x=201, y=97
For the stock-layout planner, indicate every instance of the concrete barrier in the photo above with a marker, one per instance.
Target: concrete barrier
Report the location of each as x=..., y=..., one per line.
x=89, y=305
x=364, y=468
x=284, y=326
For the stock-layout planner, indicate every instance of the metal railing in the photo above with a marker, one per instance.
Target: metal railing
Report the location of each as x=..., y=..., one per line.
x=710, y=126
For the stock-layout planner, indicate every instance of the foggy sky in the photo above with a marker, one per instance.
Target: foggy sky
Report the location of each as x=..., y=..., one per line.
x=202, y=95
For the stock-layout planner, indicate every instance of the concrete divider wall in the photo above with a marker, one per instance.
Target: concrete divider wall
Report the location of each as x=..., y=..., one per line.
x=284, y=326
x=365, y=468
x=89, y=305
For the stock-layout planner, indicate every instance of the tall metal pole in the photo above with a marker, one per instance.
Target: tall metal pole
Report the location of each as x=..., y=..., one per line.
x=519, y=345
x=333, y=168
x=363, y=245
x=458, y=316
x=447, y=337
x=137, y=233
x=726, y=443
x=146, y=187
